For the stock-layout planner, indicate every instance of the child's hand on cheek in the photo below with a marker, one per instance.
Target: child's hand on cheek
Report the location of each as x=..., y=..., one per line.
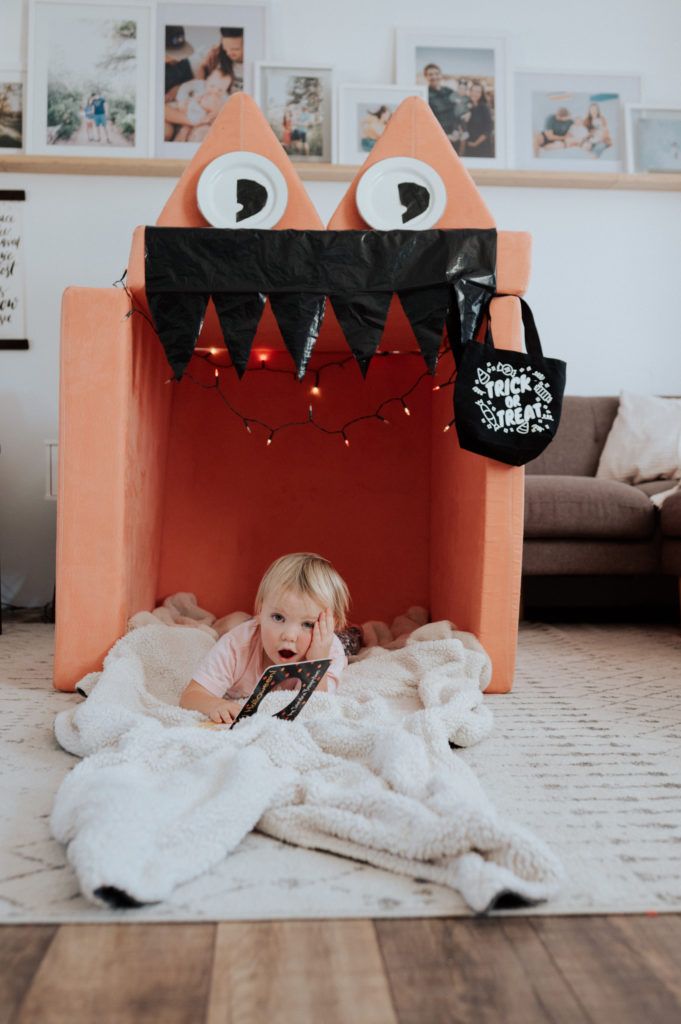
x=322, y=637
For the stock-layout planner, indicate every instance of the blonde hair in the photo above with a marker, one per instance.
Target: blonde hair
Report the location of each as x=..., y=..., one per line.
x=310, y=575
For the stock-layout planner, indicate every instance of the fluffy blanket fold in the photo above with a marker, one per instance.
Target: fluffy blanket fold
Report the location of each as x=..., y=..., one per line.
x=366, y=773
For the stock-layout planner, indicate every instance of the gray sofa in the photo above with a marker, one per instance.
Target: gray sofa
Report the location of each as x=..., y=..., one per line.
x=592, y=543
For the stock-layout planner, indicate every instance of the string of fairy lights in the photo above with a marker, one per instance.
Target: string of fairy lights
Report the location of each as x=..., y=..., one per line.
x=214, y=358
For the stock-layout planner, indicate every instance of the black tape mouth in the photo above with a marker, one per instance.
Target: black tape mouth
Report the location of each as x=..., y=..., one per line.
x=432, y=272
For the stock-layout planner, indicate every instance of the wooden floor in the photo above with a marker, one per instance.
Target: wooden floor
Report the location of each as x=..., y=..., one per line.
x=619, y=969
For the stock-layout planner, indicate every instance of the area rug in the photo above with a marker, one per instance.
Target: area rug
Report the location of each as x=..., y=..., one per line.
x=585, y=751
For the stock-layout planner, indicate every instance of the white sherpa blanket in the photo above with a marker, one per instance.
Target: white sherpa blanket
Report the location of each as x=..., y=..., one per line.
x=367, y=773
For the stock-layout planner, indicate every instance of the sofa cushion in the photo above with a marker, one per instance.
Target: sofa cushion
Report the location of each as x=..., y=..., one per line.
x=644, y=442
x=584, y=426
x=670, y=516
x=583, y=507
x=551, y=557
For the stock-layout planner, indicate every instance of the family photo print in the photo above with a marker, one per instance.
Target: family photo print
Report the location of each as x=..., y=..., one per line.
x=204, y=55
x=653, y=139
x=363, y=115
x=11, y=110
x=465, y=79
x=88, y=79
x=573, y=122
x=298, y=104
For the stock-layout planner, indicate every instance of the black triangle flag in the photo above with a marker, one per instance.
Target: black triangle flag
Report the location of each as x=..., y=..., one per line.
x=178, y=318
x=426, y=310
x=362, y=318
x=239, y=317
x=300, y=316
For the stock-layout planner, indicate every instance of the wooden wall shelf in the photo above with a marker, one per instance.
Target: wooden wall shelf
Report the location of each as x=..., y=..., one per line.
x=486, y=176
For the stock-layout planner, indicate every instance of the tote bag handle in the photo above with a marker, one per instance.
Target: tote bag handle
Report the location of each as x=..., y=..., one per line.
x=532, y=342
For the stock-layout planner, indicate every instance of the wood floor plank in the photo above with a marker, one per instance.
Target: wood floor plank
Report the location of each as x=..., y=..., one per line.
x=22, y=947
x=455, y=971
x=299, y=972
x=122, y=974
x=606, y=966
x=657, y=939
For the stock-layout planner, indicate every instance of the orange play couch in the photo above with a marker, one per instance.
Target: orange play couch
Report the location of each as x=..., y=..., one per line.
x=162, y=489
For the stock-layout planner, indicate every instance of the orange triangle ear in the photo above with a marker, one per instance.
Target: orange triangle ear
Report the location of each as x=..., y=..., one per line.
x=414, y=131
x=240, y=125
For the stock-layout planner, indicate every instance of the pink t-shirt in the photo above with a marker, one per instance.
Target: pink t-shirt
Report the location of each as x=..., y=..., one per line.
x=234, y=665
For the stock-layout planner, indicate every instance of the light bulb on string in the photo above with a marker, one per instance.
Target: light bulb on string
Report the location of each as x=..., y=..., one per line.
x=405, y=407
x=269, y=439
x=347, y=443
x=315, y=388
x=450, y=424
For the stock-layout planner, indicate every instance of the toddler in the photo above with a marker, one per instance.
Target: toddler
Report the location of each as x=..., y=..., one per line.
x=200, y=101
x=300, y=601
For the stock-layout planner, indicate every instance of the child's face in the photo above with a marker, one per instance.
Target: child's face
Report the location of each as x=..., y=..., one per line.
x=234, y=47
x=286, y=623
x=218, y=84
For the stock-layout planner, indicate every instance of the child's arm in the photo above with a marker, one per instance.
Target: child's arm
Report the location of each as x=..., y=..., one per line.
x=197, y=698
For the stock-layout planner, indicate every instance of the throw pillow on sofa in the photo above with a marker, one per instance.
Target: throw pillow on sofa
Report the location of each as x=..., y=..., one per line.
x=644, y=442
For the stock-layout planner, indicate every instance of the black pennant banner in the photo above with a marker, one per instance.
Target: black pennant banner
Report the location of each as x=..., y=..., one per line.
x=178, y=319
x=239, y=316
x=426, y=310
x=300, y=318
x=431, y=271
x=362, y=319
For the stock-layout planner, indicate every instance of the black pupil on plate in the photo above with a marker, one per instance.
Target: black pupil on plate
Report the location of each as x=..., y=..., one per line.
x=251, y=196
x=415, y=197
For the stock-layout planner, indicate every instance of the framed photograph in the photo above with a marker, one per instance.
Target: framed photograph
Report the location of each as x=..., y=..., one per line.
x=204, y=54
x=364, y=112
x=572, y=121
x=11, y=111
x=653, y=139
x=465, y=77
x=88, y=80
x=298, y=103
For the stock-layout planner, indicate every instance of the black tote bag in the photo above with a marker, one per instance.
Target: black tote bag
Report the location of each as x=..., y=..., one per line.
x=507, y=404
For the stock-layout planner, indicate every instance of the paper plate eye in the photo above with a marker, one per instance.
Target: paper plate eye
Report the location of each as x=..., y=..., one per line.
x=401, y=192
x=242, y=190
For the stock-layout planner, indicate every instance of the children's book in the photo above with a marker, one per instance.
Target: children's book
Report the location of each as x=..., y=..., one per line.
x=310, y=674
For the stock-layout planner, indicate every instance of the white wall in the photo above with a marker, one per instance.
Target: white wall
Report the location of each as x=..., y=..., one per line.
x=606, y=264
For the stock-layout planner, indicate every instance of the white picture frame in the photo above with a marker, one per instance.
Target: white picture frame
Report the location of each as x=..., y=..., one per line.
x=301, y=114
x=76, y=47
x=653, y=138
x=358, y=124
x=201, y=45
x=471, y=68
x=593, y=107
x=12, y=111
